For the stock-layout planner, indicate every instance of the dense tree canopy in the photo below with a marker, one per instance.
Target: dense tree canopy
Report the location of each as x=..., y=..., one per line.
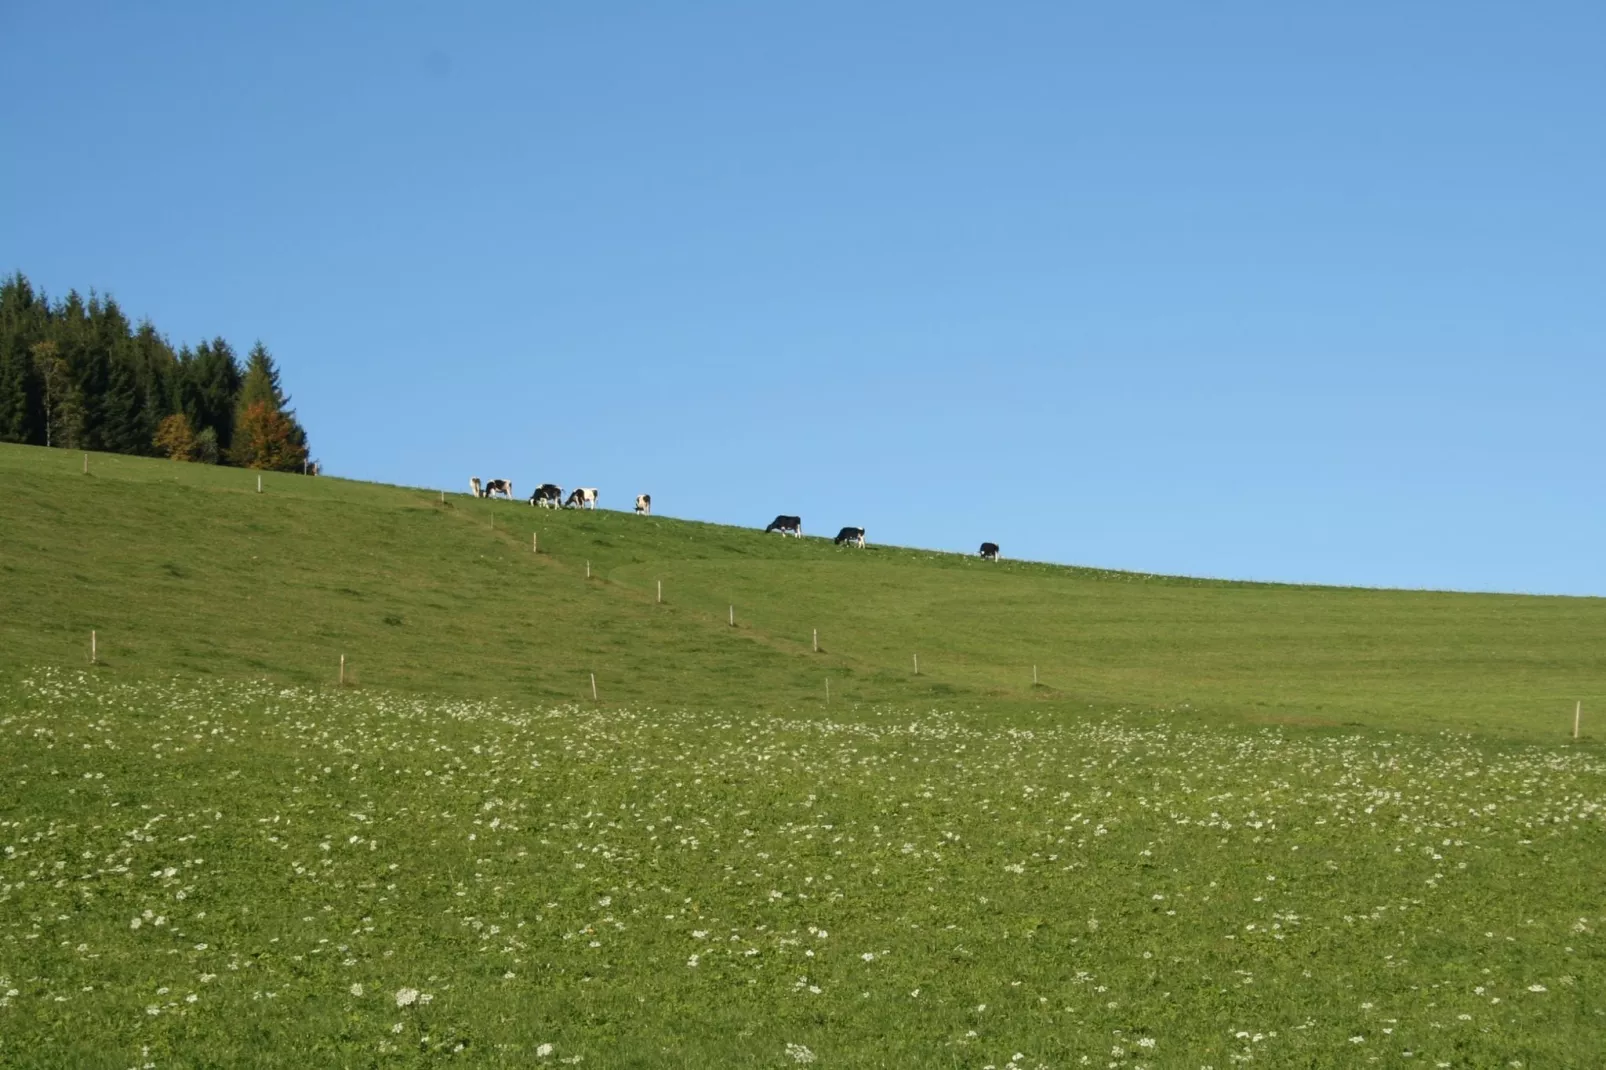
x=78, y=375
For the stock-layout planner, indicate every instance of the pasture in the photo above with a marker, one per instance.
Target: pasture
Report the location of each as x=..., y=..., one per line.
x=1233, y=824
x=185, y=569
x=227, y=874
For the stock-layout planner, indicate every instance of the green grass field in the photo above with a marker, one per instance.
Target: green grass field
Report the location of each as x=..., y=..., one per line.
x=186, y=569
x=1235, y=824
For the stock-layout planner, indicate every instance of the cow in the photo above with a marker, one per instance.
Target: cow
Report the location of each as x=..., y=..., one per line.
x=989, y=551
x=851, y=536
x=582, y=498
x=547, y=496
x=643, y=504
x=786, y=525
x=474, y=487
x=493, y=487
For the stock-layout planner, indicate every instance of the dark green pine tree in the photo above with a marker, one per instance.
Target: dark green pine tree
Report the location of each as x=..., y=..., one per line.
x=261, y=381
x=74, y=402
x=121, y=425
x=155, y=371
x=24, y=320
x=212, y=383
x=20, y=419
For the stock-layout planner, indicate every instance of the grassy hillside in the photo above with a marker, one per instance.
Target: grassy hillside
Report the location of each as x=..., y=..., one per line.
x=464, y=859
x=186, y=569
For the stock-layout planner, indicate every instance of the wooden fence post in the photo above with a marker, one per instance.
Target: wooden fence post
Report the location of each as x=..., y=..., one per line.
x=593, y=687
x=1578, y=717
x=816, y=640
x=94, y=652
x=342, y=670
x=917, y=664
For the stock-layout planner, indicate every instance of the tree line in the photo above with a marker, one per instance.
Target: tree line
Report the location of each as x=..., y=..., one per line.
x=79, y=374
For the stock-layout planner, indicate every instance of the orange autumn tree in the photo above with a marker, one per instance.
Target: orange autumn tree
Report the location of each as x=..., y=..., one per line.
x=175, y=438
x=264, y=437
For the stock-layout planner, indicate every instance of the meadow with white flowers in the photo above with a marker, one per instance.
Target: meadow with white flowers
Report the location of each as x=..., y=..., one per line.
x=228, y=873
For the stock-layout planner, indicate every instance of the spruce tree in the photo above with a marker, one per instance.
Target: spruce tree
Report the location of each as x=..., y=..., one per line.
x=121, y=427
x=261, y=381
x=215, y=381
x=16, y=379
x=154, y=370
x=266, y=432
x=23, y=319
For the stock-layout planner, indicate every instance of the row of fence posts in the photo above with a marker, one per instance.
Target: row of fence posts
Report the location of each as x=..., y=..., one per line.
x=535, y=547
x=94, y=659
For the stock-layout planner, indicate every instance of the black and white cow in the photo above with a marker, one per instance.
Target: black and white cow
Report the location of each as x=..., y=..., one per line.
x=786, y=525
x=493, y=487
x=643, y=504
x=851, y=536
x=547, y=496
x=475, y=488
x=582, y=498
x=989, y=551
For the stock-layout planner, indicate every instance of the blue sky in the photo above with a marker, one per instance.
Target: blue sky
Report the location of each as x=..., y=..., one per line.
x=1238, y=290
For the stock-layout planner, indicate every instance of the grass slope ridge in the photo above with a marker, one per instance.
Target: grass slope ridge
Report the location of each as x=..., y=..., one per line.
x=186, y=569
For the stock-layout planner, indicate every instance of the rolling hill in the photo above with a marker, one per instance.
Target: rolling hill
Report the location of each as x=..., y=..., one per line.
x=186, y=569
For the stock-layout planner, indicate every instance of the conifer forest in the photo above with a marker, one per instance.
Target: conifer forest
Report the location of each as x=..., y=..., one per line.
x=80, y=374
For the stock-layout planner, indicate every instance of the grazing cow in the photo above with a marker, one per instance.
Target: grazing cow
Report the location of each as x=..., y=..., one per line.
x=547, y=496
x=851, y=536
x=989, y=551
x=493, y=487
x=474, y=486
x=786, y=525
x=582, y=498
x=643, y=504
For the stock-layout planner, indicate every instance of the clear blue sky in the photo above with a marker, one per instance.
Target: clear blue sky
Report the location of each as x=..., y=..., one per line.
x=1245, y=290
